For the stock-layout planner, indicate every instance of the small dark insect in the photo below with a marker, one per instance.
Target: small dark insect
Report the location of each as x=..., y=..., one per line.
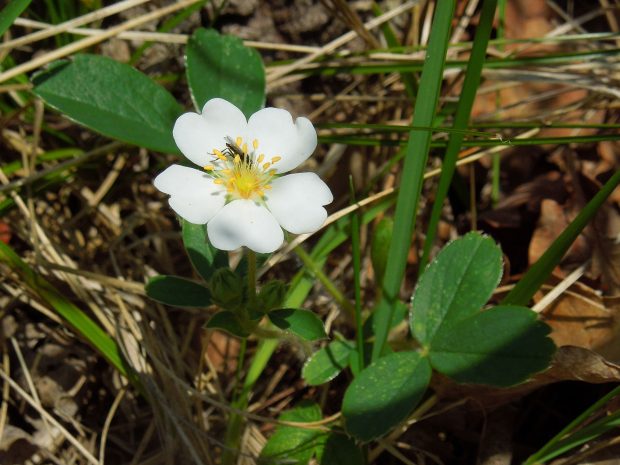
x=234, y=149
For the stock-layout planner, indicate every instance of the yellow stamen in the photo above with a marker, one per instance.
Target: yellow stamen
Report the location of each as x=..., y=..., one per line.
x=219, y=154
x=275, y=159
x=260, y=158
x=208, y=167
x=239, y=141
x=237, y=159
x=266, y=165
x=255, y=144
x=245, y=148
x=267, y=186
x=218, y=181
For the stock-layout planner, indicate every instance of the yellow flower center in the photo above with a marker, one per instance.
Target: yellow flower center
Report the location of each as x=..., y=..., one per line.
x=245, y=174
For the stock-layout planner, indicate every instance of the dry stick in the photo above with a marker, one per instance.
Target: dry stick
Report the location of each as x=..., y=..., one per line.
x=26, y=371
x=108, y=422
x=334, y=44
x=166, y=37
x=558, y=290
x=49, y=418
x=4, y=407
x=275, y=258
x=464, y=21
x=87, y=42
x=67, y=25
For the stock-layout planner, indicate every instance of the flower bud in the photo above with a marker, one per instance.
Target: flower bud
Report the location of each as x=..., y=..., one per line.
x=227, y=289
x=271, y=295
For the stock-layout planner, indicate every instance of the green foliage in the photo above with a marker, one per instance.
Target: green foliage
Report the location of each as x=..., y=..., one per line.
x=228, y=289
x=10, y=13
x=303, y=323
x=178, y=292
x=229, y=322
x=292, y=445
x=384, y=394
x=111, y=98
x=221, y=66
x=502, y=346
x=413, y=170
x=204, y=257
x=341, y=450
x=461, y=120
x=271, y=295
x=456, y=285
x=380, y=246
x=325, y=364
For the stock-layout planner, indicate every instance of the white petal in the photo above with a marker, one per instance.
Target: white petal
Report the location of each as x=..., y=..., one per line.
x=197, y=135
x=194, y=196
x=297, y=200
x=244, y=223
x=277, y=135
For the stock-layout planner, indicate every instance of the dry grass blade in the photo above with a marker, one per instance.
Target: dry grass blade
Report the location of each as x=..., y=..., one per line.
x=87, y=42
x=166, y=37
x=73, y=23
x=275, y=74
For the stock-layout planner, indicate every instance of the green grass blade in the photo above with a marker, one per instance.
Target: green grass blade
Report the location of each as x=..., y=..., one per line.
x=540, y=271
x=356, y=253
x=551, y=444
x=10, y=13
x=76, y=318
x=461, y=121
x=582, y=436
x=413, y=169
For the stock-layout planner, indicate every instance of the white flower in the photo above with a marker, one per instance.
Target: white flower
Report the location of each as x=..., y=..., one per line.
x=238, y=192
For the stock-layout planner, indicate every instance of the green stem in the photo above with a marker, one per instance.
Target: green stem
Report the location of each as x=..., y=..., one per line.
x=234, y=428
x=251, y=256
x=356, y=252
x=327, y=283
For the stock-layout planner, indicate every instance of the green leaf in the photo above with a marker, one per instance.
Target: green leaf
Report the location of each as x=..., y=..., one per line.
x=456, y=284
x=10, y=13
x=178, y=292
x=340, y=450
x=384, y=394
x=204, y=257
x=303, y=323
x=325, y=364
x=221, y=66
x=501, y=346
x=228, y=321
x=413, y=169
x=292, y=445
x=111, y=98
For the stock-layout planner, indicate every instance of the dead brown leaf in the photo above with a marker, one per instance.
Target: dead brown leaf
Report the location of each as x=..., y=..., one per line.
x=569, y=364
x=554, y=218
x=581, y=318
